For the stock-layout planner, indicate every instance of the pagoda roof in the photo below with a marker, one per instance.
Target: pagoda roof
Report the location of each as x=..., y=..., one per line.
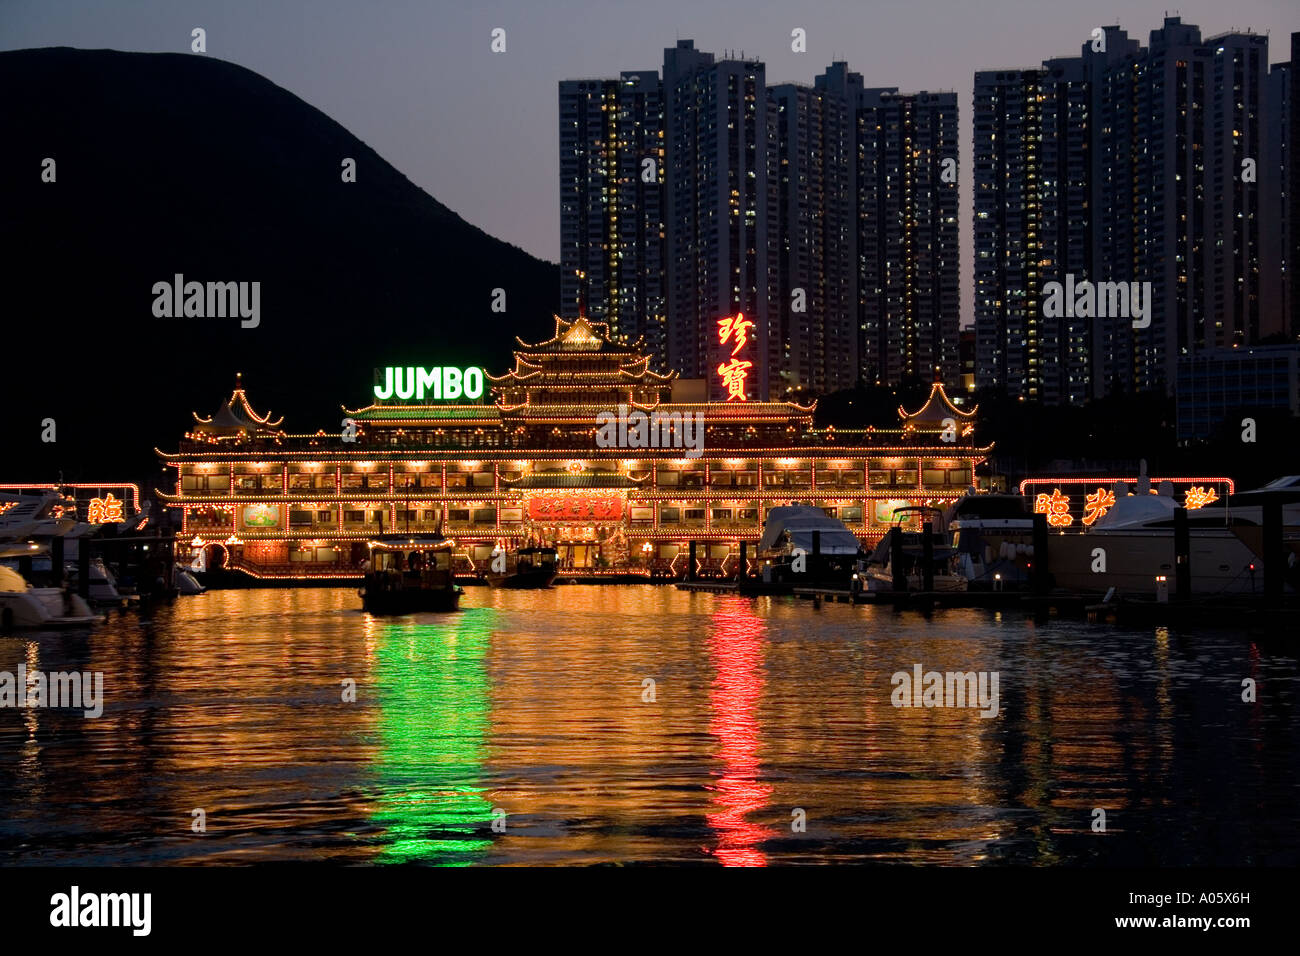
x=936, y=408
x=236, y=416
x=581, y=335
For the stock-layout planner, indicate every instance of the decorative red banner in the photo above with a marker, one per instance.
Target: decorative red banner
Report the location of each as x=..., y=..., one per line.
x=576, y=508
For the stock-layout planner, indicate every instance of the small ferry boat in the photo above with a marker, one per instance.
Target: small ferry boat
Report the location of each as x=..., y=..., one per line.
x=410, y=573
x=526, y=568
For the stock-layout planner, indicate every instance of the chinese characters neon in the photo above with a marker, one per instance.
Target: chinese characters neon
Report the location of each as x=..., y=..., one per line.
x=733, y=375
x=104, y=510
x=738, y=326
x=1199, y=497
x=735, y=372
x=1097, y=504
x=1057, y=508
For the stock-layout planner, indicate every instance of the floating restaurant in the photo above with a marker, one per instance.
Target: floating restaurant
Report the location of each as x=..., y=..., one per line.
x=581, y=446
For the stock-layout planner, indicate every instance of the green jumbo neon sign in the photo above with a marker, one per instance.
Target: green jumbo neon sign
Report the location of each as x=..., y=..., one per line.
x=443, y=383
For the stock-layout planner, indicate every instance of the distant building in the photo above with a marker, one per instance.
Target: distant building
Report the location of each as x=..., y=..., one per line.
x=611, y=206
x=909, y=284
x=720, y=214
x=827, y=215
x=1279, y=316
x=1124, y=164
x=815, y=315
x=1214, y=384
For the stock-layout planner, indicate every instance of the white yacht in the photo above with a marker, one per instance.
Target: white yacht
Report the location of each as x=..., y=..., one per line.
x=993, y=535
x=1132, y=546
x=23, y=606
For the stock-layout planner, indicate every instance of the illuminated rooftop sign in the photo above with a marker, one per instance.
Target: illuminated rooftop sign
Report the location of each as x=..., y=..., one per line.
x=442, y=384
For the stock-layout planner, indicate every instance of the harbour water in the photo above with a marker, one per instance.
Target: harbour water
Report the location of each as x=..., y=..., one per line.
x=534, y=710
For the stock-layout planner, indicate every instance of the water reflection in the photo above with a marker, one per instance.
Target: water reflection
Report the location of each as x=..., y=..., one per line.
x=435, y=708
x=534, y=703
x=735, y=647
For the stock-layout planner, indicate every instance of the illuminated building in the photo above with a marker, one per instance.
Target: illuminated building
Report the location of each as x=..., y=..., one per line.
x=1125, y=163
x=720, y=208
x=611, y=206
x=525, y=464
x=907, y=237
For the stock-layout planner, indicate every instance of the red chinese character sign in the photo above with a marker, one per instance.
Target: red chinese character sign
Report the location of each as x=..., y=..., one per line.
x=733, y=373
x=575, y=508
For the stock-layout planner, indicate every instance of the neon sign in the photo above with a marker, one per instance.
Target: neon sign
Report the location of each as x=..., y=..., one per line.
x=1097, y=504
x=106, y=510
x=441, y=383
x=576, y=508
x=734, y=372
x=1057, y=508
x=1060, y=505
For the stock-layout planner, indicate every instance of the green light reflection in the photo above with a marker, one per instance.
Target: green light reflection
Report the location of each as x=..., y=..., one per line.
x=434, y=714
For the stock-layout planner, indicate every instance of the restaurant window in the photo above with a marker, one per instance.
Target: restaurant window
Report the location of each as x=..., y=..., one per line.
x=324, y=516
x=746, y=479
x=300, y=518
x=402, y=482
x=747, y=514
x=430, y=514
x=209, y=483
x=670, y=515
x=485, y=515
x=959, y=476
x=851, y=513
x=933, y=476
x=721, y=514
x=354, y=517
x=484, y=479
x=457, y=479
x=851, y=479
x=881, y=478
x=801, y=479
x=458, y=514
x=694, y=514
x=407, y=514
x=670, y=478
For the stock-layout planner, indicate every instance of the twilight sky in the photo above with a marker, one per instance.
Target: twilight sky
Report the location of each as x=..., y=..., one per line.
x=417, y=81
